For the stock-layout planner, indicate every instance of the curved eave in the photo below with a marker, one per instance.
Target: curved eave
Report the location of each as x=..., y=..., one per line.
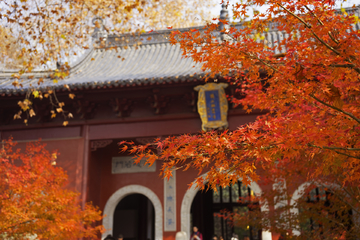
x=107, y=85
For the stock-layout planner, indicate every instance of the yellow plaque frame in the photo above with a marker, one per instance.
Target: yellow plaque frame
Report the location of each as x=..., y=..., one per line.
x=223, y=104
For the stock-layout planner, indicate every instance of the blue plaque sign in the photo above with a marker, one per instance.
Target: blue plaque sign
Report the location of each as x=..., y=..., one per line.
x=212, y=105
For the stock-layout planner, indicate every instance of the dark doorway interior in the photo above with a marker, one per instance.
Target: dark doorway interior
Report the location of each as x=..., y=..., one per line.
x=134, y=218
x=207, y=204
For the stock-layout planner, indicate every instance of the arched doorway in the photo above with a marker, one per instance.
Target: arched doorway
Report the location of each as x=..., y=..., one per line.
x=208, y=205
x=188, y=200
x=112, y=203
x=134, y=218
x=322, y=210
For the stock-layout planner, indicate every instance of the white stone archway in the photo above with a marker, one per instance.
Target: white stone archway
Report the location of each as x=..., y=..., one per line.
x=113, y=201
x=299, y=192
x=190, y=195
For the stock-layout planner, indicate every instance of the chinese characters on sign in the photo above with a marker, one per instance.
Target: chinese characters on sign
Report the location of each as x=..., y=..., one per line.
x=127, y=165
x=212, y=105
x=170, y=202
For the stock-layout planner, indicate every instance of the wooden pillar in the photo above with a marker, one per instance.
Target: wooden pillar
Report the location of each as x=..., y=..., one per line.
x=85, y=167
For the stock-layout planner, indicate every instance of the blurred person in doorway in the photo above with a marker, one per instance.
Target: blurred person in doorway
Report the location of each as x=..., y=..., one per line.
x=196, y=234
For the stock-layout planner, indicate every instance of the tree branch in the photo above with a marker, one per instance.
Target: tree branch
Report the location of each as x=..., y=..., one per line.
x=253, y=56
x=348, y=155
x=322, y=24
x=13, y=226
x=342, y=199
x=294, y=15
x=317, y=37
x=341, y=153
x=312, y=13
x=263, y=62
x=336, y=148
x=309, y=26
x=335, y=108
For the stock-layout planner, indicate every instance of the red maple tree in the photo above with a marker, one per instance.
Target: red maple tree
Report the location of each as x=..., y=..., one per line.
x=307, y=83
x=34, y=203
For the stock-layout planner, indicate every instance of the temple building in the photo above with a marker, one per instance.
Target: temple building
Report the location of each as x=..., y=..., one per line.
x=136, y=94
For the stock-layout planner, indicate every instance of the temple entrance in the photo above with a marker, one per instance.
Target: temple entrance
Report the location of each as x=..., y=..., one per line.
x=134, y=218
x=207, y=204
x=321, y=203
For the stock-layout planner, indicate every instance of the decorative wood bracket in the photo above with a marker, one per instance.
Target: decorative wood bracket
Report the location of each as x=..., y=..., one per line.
x=122, y=108
x=191, y=100
x=99, y=144
x=159, y=102
x=85, y=108
x=43, y=112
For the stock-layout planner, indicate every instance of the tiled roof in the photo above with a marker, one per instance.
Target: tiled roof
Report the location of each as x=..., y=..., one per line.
x=155, y=61
x=150, y=63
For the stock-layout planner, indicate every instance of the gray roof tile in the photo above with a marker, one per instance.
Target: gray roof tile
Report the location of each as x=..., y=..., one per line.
x=149, y=63
x=154, y=62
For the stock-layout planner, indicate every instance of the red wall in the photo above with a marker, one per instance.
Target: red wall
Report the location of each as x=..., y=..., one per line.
x=68, y=142
x=101, y=183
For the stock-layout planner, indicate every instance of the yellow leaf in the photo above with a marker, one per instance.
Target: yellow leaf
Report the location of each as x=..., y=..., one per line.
x=61, y=104
x=18, y=115
x=70, y=115
x=92, y=59
x=59, y=110
x=46, y=95
x=36, y=94
x=65, y=123
x=32, y=113
x=71, y=95
x=15, y=83
x=62, y=36
x=55, y=81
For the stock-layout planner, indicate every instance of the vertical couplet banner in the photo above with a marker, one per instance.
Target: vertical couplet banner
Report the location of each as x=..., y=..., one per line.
x=170, y=203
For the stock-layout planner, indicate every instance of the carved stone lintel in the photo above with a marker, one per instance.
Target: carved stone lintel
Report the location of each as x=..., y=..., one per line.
x=99, y=144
